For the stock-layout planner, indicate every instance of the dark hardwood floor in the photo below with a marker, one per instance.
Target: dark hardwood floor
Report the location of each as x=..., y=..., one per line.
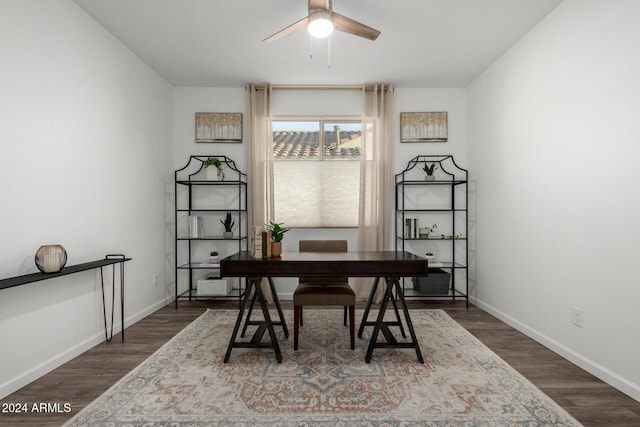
x=84, y=378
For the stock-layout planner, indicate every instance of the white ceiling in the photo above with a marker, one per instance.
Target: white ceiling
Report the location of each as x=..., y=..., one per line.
x=218, y=43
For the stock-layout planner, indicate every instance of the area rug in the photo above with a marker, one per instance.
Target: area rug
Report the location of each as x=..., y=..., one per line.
x=324, y=383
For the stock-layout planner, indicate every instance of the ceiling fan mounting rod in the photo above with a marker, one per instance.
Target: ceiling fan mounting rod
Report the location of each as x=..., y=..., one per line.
x=325, y=5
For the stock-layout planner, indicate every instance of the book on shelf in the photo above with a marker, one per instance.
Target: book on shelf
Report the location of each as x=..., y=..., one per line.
x=411, y=228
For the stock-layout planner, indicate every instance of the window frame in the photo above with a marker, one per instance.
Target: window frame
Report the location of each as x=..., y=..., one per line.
x=321, y=140
x=322, y=120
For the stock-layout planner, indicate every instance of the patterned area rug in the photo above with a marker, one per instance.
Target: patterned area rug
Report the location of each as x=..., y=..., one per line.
x=324, y=383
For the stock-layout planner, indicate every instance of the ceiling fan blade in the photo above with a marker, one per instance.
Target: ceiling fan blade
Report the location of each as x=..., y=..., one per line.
x=288, y=30
x=348, y=25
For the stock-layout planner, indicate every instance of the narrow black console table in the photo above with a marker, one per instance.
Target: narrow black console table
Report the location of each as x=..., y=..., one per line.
x=101, y=263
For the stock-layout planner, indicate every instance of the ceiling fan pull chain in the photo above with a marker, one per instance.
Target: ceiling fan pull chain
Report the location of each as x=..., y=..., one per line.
x=310, y=47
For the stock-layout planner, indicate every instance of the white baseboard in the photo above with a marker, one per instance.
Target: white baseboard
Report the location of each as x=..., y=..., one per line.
x=285, y=297
x=611, y=378
x=147, y=311
x=24, y=378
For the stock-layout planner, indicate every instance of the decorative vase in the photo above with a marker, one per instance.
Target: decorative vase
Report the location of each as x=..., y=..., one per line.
x=214, y=174
x=50, y=258
x=429, y=178
x=227, y=234
x=276, y=249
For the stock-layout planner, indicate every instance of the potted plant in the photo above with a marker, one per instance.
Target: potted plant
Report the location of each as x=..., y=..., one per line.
x=228, y=226
x=213, y=166
x=429, y=169
x=277, y=233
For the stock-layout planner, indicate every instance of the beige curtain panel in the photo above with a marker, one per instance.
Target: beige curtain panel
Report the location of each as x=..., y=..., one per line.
x=375, y=178
x=259, y=161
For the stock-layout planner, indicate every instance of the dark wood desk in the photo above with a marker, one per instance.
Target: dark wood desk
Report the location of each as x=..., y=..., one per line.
x=389, y=265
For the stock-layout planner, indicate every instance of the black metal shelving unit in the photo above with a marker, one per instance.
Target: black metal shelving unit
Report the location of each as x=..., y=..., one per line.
x=443, y=200
x=231, y=193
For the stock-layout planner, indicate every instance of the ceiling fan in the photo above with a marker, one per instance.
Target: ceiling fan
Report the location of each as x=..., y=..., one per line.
x=322, y=20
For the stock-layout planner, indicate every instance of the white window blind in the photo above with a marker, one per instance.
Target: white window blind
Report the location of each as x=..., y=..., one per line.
x=316, y=193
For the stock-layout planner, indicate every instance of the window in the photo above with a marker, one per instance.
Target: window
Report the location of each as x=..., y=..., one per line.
x=316, y=172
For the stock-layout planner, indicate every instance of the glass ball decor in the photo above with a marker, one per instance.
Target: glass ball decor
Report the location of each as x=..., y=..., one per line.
x=51, y=258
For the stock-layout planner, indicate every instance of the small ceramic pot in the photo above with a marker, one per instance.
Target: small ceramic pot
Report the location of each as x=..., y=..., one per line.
x=214, y=174
x=276, y=249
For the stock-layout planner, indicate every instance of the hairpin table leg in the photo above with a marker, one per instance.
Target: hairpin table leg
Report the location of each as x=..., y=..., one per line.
x=109, y=334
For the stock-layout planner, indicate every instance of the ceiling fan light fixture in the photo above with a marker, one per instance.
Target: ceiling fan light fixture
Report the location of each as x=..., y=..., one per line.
x=320, y=24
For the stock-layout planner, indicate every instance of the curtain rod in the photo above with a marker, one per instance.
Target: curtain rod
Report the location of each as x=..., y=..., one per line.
x=358, y=88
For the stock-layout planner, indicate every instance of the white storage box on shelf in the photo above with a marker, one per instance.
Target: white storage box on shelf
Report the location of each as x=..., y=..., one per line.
x=213, y=287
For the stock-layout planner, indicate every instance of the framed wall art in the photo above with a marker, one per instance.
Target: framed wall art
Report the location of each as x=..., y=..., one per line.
x=424, y=127
x=218, y=127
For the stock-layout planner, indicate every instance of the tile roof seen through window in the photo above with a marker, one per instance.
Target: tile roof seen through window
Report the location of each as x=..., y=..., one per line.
x=306, y=144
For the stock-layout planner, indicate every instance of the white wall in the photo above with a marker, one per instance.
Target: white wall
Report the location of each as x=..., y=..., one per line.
x=85, y=155
x=188, y=101
x=553, y=137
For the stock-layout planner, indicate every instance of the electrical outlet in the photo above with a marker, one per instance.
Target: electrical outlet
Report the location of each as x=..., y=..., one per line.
x=156, y=282
x=578, y=317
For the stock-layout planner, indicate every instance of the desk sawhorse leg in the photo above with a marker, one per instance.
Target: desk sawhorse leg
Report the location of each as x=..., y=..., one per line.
x=382, y=326
x=367, y=308
x=276, y=301
x=265, y=325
